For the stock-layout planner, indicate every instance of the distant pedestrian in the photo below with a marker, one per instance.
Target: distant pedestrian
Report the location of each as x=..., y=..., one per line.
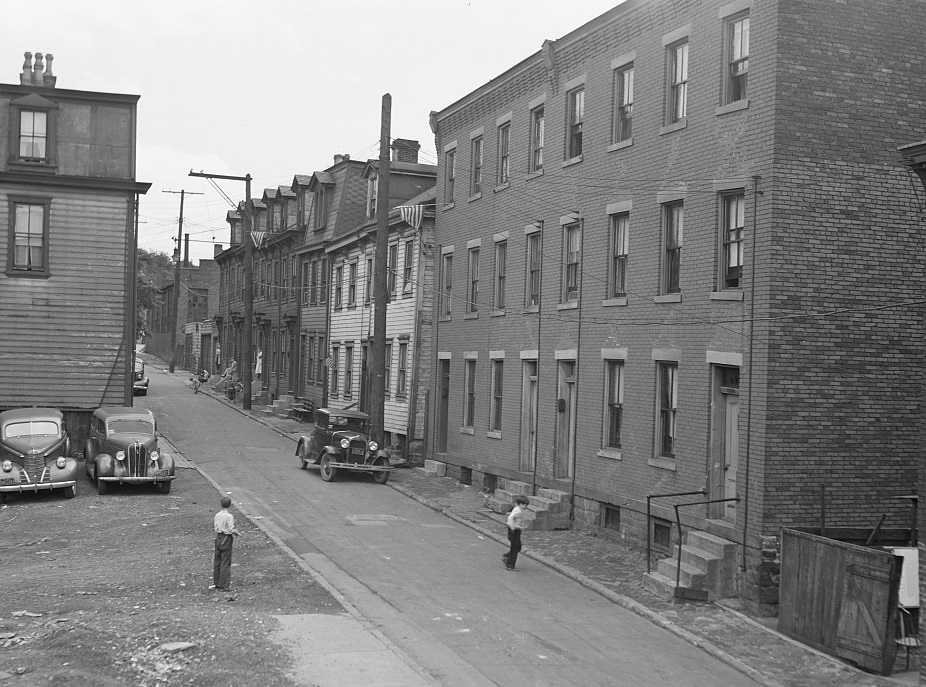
x=225, y=534
x=516, y=522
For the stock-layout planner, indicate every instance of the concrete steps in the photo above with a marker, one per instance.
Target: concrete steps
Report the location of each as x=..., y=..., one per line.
x=708, y=569
x=547, y=510
x=281, y=407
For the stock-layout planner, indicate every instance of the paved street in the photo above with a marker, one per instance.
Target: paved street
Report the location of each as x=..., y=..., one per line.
x=418, y=576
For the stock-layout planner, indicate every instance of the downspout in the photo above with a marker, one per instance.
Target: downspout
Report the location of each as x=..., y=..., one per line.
x=752, y=326
x=435, y=318
x=539, y=323
x=416, y=348
x=572, y=489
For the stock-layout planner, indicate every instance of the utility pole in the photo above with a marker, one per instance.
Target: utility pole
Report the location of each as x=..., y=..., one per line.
x=176, y=295
x=246, y=367
x=380, y=281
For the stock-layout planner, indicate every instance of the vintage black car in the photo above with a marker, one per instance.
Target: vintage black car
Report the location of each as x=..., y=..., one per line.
x=139, y=380
x=341, y=441
x=123, y=448
x=35, y=452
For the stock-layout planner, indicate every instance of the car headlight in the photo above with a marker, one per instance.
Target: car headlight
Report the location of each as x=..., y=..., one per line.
x=61, y=462
x=373, y=445
x=7, y=466
x=153, y=456
x=120, y=455
x=345, y=443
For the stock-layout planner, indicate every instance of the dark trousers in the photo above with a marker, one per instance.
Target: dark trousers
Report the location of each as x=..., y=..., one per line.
x=514, y=536
x=221, y=562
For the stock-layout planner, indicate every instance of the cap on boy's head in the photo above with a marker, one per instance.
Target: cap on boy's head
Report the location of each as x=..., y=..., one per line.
x=523, y=500
x=226, y=502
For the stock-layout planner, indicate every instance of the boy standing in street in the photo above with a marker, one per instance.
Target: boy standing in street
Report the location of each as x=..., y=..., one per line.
x=516, y=522
x=225, y=533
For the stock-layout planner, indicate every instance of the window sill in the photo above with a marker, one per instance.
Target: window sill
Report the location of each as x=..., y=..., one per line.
x=572, y=161
x=471, y=316
x=40, y=167
x=467, y=430
x=675, y=126
x=28, y=274
x=532, y=308
x=735, y=106
x=620, y=145
x=502, y=186
x=351, y=306
x=494, y=435
x=497, y=313
x=726, y=295
x=663, y=463
x=475, y=196
x=448, y=206
x=613, y=453
x=612, y=302
x=569, y=305
x=444, y=318
x=534, y=174
x=668, y=298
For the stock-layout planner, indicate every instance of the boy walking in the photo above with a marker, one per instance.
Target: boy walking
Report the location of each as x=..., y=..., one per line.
x=516, y=522
x=225, y=532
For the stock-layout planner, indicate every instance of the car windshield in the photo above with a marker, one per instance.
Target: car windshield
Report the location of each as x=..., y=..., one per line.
x=44, y=428
x=130, y=426
x=353, y=424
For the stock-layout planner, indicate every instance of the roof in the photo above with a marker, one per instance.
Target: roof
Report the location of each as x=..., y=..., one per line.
x=107, y=413
x=344, y=412
x=20, y=414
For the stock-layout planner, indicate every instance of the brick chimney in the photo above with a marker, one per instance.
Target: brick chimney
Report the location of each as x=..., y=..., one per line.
x=405, y=150
x=339, y=157
x=37, y=74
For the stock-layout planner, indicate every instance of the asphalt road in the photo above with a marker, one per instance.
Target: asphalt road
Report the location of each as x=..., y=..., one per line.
x=436, y=589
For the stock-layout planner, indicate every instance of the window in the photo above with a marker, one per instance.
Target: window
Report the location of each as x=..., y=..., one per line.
x=536, y=153
x=320, y=359
x=495, y=410
x=321, y=207
x=407, y=266
x=734, y=221
x=335, y=359
x=372, y=190
x=617, y=268
x=392, y=257
x=674, y=221
x=677, y=107
x=504, y=158
x=29, y=239
x=501, y=251
x=451, y=172
x=622, y=116
x=33, y=136
x=446, y=293
x=737, y=51
x=403, y=369
x=469, y=393
x=575, y=119
x=323, y=291
x=614, y=403
x=368, y=281
x=476, y=167
x=533, y=269
x=348, y=371
x=338, y=286
x=313, y=284
x=668, y=407
x=387, y=370
x=572, y=248
x=472, y=296
x=352, y=284
x=309, y=358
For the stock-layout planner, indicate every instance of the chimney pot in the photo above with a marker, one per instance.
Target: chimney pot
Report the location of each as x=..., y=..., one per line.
x=37, y=68
x=26, y=77
x=49, y=79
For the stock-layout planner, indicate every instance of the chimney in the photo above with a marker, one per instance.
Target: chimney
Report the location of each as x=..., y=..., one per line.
x=26, y=77
x=32, y=74
x=341, y=157
x=37, y=70
x=405, y=150
x=49, y=79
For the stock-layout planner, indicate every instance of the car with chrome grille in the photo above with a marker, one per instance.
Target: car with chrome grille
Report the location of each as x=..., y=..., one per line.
x=35, y=452
x=139, y=380
x=123, y=449
x=341, y=441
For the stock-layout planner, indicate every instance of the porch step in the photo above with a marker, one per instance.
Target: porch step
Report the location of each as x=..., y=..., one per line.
x=708, y=567
x=547, y=510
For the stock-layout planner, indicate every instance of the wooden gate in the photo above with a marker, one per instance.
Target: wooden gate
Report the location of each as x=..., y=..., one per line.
x=839, y=598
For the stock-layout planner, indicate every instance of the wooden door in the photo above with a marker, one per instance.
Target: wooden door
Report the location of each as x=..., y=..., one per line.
x=865, y=632
x=443, y=403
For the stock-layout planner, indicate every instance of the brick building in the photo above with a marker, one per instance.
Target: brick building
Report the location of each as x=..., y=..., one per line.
x=677, y=252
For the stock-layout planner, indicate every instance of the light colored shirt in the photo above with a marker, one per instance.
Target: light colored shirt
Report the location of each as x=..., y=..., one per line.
x=516, y=518
x=224, y=522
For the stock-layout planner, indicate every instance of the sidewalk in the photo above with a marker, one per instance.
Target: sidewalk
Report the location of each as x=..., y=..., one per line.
x=616, y=572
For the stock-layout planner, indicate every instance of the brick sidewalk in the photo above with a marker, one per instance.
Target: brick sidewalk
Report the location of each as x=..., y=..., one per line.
x=616, y=572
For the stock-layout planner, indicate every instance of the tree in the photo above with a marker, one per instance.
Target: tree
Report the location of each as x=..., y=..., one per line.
x=153, y=271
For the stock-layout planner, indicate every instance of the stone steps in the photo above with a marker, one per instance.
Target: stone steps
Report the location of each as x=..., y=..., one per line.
x=708, y=569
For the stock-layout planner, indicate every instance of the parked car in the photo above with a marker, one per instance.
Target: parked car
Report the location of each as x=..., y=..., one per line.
x=123, y=448
x=341, y=441
x=140, y=381
x=35, y=452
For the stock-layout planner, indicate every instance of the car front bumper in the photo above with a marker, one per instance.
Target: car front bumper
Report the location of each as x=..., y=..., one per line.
x=128, y=479
x=20, y=487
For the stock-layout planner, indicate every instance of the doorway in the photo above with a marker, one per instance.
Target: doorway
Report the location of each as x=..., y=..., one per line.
x=564, y=462
x=724, y=462
x=528, y=415
x=443, y=403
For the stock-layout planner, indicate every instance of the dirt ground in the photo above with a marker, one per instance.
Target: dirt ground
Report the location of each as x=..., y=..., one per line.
x=93, y=588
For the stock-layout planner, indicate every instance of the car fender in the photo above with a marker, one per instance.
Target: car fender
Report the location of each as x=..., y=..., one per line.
x=335, y=451
x=382, y=453
x=65, y=474
x=166, y=462
x=301, y=445
x=13, y=474
x=105, y=465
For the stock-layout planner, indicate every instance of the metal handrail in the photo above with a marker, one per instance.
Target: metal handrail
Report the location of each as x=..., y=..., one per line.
x=678, y=523
x=649, y=498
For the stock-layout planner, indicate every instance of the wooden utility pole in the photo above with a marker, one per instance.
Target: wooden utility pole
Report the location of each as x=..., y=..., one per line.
x=245, y=364
x=176, y=295
x=380, y=281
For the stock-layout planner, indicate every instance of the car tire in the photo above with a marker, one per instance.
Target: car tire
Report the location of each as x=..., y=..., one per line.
x=380, y=476
x=327, y=472
x=164, y=487
x=303, y=463
x=70, y=492
x=90, y=459
x=101, y=487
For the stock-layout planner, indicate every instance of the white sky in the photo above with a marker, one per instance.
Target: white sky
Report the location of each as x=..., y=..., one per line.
x=272, y=88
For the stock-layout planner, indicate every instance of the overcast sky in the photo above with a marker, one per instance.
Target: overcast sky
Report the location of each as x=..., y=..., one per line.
x=273, y=88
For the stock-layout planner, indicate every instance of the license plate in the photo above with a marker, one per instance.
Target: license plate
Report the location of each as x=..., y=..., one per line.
x=7, y=482
x=163, y=473
x=356, y=451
